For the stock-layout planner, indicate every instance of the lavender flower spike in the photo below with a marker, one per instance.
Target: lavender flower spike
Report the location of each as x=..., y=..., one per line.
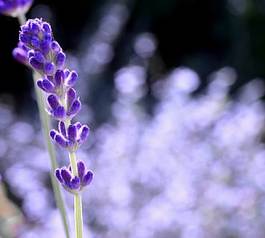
x=14, y=8
x=71, y=183
x=44, y=54
x=38, y=49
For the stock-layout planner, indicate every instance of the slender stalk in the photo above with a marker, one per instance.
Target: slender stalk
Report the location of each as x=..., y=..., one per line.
x=21, y=19
x=78, y=216
x=46, y=122
x=77, y=200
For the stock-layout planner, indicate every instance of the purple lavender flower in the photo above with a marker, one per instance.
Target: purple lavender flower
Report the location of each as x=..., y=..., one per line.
x=73, y=183
x=44, y=54
x=60, y=111
x=20, y=53
x=60, y=83
x=14, y=8
x=38, y=49
x=71, y=137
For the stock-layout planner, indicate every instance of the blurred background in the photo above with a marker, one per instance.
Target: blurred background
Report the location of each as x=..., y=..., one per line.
x=173, y=92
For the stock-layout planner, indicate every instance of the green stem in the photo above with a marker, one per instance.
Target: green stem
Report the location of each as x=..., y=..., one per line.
x=77, y=200
x=46, y=126
x=21, y=19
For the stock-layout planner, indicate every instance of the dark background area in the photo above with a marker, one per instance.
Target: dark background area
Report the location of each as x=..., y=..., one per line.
x=204, y=35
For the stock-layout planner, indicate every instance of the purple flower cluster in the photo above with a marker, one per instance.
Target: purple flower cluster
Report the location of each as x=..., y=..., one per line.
x=38, y=49
x=44, y=54
x=67, y=107
x=71, y=138
x=14, y=8
x=72, y=183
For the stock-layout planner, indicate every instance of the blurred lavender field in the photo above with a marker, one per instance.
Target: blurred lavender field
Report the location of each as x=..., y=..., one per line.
x=188, y=164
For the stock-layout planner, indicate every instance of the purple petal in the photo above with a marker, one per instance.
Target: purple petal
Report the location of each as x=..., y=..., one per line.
x=62, y=129
x=25, y=38
x=61, y=140
x=72, y=133
x=39, y=57
x=84, y=133
x=23, y=46
x=60, y=59
x=31, y=53
x=39, y=84
x=75, y=108
x=72, y=78
x=59, y=77
x=47, y=37
x=78, y=125
x=71, y=96
x=66, y=175
x=87, y=178
x=53, y=134
x=35, y=28
x=47, y=85
x=45, y=47
x=66, y=73
x=58, y=175
x=55, y=46
x=47, y=28
x=53, y=101
x=49, y=68
x=20, y=55
x=59, y=112
x=75, y=183
x=81, y=169
x=25, y=28
x=35, y=42
x=35, y=64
